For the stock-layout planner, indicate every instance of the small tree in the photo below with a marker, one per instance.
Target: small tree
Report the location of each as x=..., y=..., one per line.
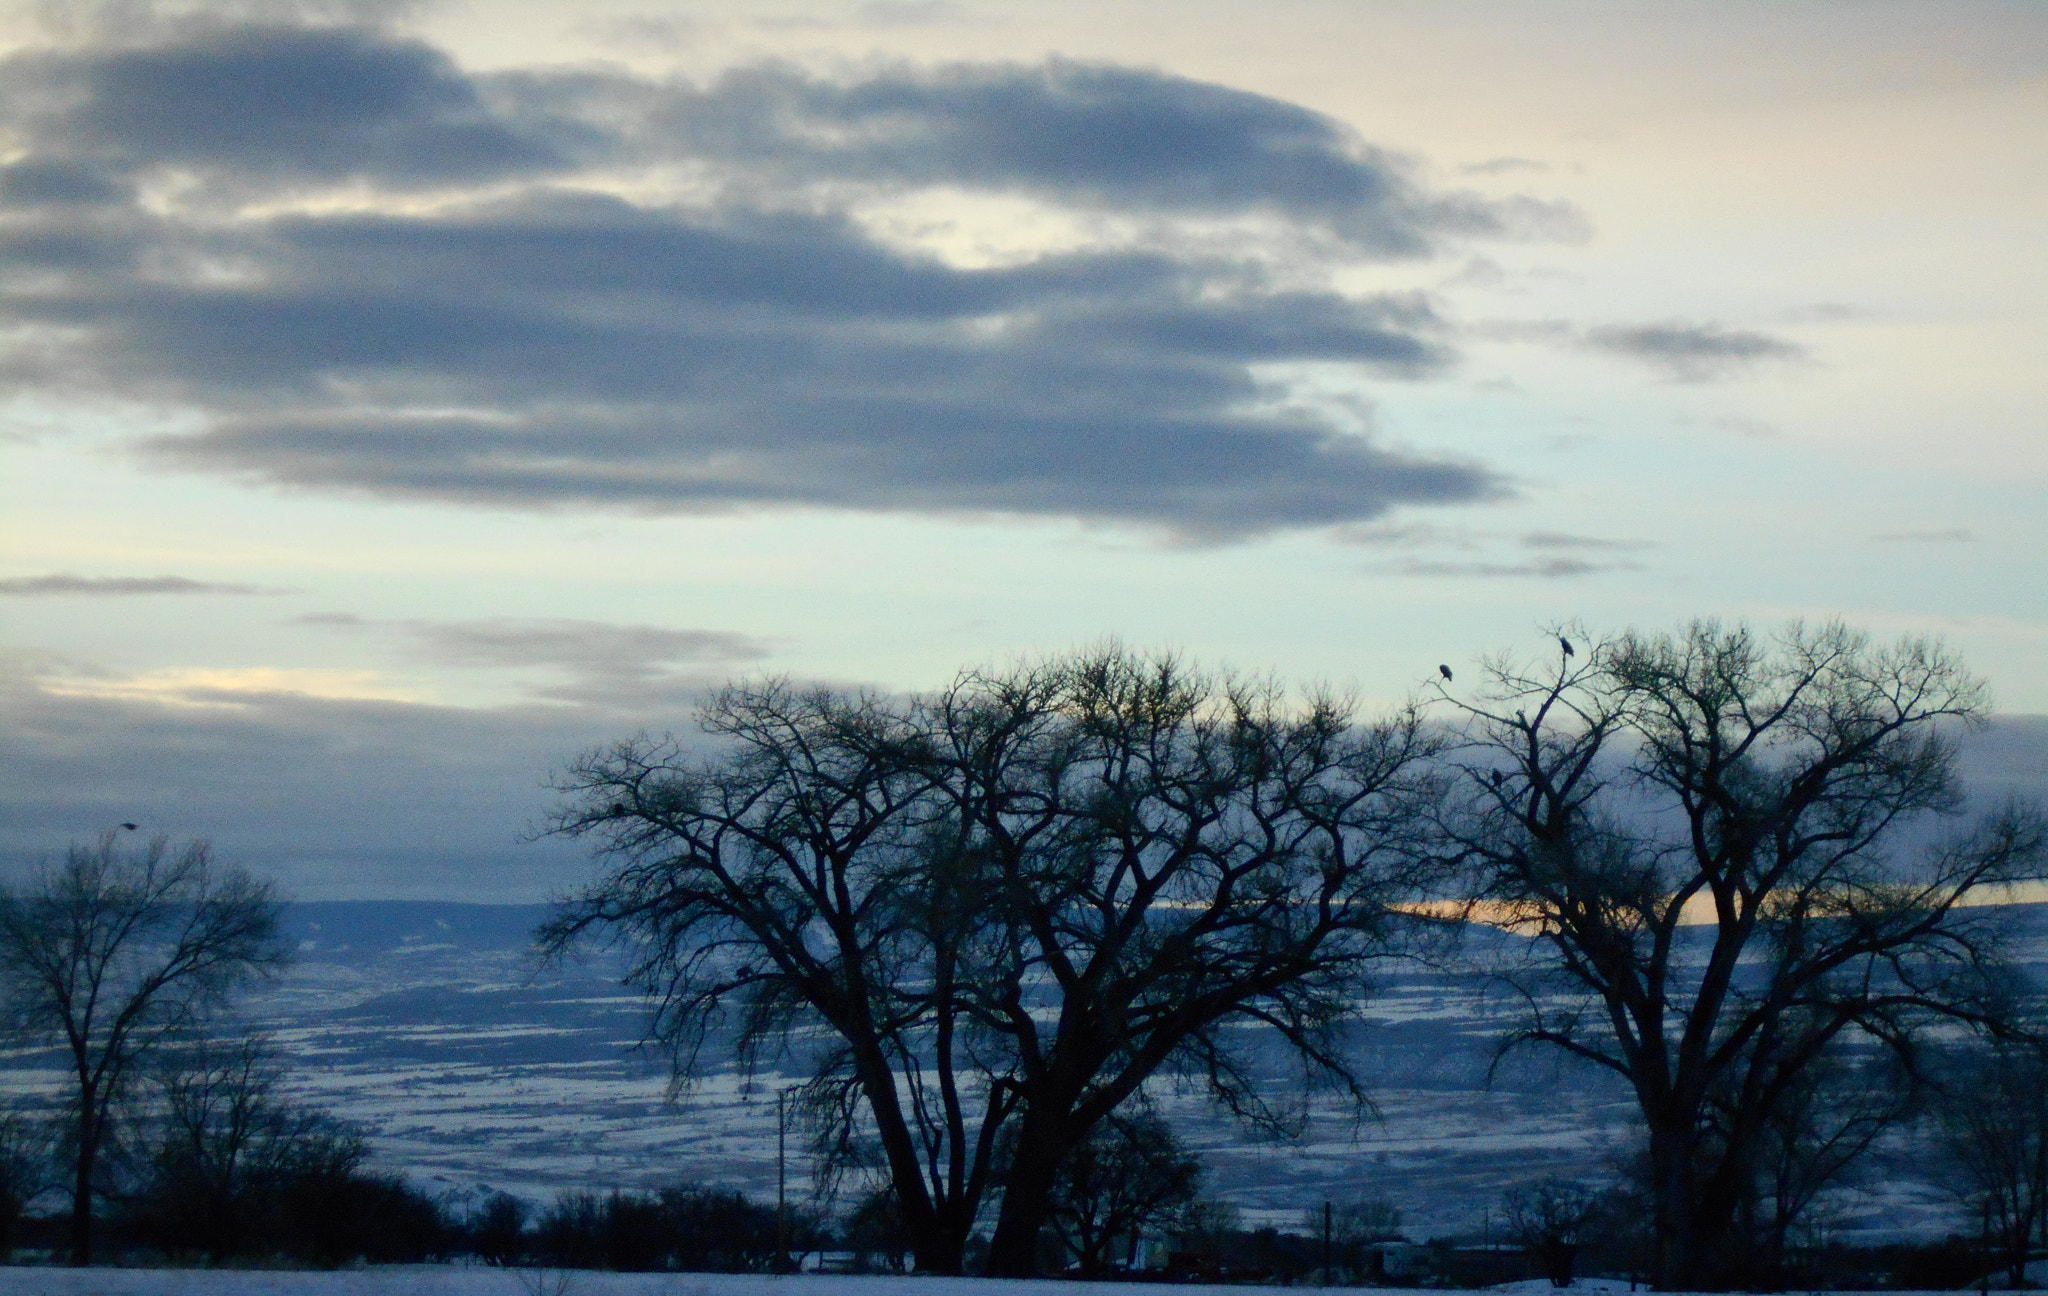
x=114, y=951
x=1552, y=1219
x=1993, y=1119
x=24, y=1173
x=222, y=1147
x=1131, y=1172
x=497, y=1231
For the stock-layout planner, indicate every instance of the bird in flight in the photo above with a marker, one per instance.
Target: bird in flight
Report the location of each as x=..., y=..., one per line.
x=131, y=827
x=1444, y=671
x=1565, y=644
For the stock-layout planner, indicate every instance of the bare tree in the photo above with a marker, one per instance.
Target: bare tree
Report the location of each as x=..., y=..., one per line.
x=112, y=952
x=1176, y=857
x=1017, y=900
x=1993, y=1119
x=1129, y=1173
x=1712, y=837
x=1553, y=1219
x=223, y=1143
x=24, y=1169
x=802, y=875
x=1830, y=1115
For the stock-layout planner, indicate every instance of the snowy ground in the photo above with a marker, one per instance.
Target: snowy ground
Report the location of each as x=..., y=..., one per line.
x=473, y=1070
x=441, y=1280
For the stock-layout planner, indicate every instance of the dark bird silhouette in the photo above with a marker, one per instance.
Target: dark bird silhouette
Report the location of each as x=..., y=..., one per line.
x=1565, y=644
x=618, y=810
x=1499, y=778
x=131, y=827
x=1444, y=671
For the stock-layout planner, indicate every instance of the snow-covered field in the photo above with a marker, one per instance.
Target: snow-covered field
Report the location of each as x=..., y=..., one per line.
x=441, y=1280
x=474, y=1070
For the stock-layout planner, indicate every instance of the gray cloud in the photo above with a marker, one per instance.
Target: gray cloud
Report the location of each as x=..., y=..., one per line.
x=546, y=345
x=593, y=663
x=335, y=798
x=1689, y=352
x=1552, y=568
x=1110, y=136
x=1503, y=166
x=278, y=102
x=1947, y=535
x=67, y=583
x=1600, y=544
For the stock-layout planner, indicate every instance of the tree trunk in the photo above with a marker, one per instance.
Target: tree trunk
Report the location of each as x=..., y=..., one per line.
x=81, y=1184
x=1027, y=1196
x=940, y=1249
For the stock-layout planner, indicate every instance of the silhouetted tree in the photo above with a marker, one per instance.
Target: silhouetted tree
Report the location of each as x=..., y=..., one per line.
x=684, y=1227
x=497, y=1230
x=1171, y=857
x=790, y=878
x=1712, y=836
x=1993, y=1122
x=221, y=1147
x=113, y=951
x=25, y=1149
x=1128, y=1174
x=1829, y=1117
x=1030, y=893
x=875, y=1227
x=1552, y=1219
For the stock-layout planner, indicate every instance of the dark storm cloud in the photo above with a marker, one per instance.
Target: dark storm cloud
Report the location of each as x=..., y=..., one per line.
x=534, y=343
x=67, y=583
x=1693, y=352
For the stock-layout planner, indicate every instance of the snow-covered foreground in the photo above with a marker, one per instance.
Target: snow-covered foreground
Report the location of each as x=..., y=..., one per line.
x=443, y=1280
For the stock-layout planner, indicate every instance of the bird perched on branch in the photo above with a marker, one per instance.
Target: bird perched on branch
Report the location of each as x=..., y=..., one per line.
x=1444, y=671
x=1565, y=644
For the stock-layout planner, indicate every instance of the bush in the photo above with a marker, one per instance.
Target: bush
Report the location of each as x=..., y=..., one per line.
x=684, y=1227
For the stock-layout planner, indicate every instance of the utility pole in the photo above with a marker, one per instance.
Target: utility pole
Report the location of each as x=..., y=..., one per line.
x=1326, y=1244
x=781, y=1182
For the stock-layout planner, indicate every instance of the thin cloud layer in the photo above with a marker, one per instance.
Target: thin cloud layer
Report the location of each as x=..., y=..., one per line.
x=66, y=583
x=586, y=663
x=217, y=221
x=1694, y=352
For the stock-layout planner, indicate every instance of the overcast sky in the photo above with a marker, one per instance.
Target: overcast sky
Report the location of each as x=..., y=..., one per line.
x=395, y=399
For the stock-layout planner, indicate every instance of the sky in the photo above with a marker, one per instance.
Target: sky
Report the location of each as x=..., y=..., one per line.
x=396, y=399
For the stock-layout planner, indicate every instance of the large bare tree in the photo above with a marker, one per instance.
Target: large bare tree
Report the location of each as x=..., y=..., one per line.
x=801, y=875
x=1178, y=856
x=1728, y=847
x=114, y=951
x=1016, y=901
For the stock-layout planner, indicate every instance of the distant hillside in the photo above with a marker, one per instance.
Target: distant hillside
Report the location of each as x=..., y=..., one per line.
x=475, y=1068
